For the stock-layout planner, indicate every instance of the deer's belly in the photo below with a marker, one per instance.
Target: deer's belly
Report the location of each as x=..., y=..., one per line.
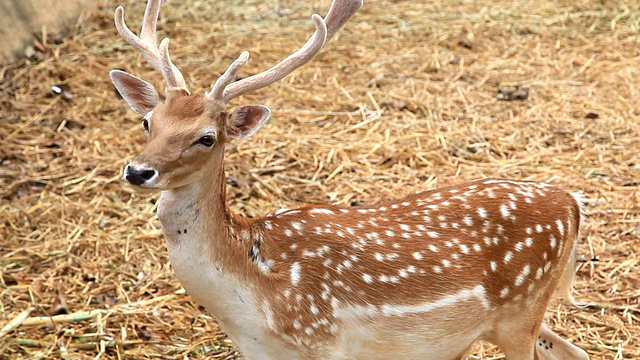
x=441, y=334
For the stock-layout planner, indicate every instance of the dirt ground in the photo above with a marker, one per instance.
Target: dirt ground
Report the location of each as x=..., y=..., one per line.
x=411, y=95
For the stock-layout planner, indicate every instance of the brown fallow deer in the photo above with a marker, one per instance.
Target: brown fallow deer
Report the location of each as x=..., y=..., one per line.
x=422, y=277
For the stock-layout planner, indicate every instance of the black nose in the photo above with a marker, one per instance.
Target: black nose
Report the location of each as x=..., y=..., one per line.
x=138, y=176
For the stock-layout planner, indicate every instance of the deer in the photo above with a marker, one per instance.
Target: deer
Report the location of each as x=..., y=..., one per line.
x=421, y=277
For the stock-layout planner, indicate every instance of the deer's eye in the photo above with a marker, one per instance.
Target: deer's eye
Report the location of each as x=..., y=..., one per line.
x=207, y=140
x=145, y=123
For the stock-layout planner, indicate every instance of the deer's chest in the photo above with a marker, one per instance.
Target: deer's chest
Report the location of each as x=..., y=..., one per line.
x=223, y=294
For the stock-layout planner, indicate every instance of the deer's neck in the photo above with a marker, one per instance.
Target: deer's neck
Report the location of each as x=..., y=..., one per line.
x=199, y=227
x=197, y=213
x=208, y=259
x=200, y=230
x=192, y=212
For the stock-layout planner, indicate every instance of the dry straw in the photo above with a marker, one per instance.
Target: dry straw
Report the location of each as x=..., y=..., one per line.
x=404, y=99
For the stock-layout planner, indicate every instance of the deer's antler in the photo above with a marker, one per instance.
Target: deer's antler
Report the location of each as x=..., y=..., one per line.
x=146, y=44
x=226, y=89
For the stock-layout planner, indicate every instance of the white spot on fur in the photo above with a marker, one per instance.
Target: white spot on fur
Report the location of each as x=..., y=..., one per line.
x=560, y=227
x=504, y=292
x=322, y=211
x=478, y=292
x=504, y=211
x=507, y=257
x=265, y=266
x=295, y=273
x=523, y=275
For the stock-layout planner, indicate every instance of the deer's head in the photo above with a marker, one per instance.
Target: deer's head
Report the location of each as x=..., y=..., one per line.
x=186, y=133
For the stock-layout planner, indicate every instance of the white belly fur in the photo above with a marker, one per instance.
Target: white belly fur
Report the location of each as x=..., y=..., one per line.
x=414, y=336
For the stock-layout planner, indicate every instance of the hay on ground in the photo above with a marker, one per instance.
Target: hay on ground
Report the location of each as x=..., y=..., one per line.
x=404, y=99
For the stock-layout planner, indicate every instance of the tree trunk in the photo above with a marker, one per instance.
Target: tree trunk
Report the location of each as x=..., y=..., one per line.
x=23, y=20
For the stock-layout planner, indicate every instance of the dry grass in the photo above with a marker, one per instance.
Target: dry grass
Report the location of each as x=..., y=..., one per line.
x=403, y=100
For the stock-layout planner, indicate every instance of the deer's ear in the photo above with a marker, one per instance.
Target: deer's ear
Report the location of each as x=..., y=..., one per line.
x=246, y=120
x=141, y=96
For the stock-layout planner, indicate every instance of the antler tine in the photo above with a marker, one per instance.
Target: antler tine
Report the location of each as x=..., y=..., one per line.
x=338, y=14
x=228, y=77
x=150, y=22
x=284, y=67
x=158, y=57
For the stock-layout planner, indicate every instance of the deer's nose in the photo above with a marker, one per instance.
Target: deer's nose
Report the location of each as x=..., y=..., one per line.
x=138, y=175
